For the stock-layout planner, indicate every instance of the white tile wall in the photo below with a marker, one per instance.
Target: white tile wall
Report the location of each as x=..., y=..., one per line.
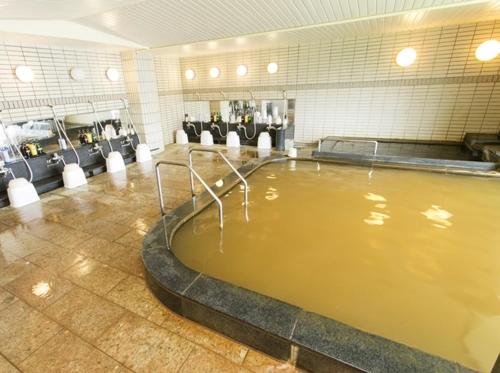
x=144, y=103
x=52, y=83
x=168, y=75
x=353, y=87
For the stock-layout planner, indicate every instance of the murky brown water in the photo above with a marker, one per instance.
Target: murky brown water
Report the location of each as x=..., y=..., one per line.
x=411, y=256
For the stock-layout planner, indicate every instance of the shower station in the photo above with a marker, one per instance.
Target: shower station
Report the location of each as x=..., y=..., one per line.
x=60, y=163
x=20, y=191
x=239, y=122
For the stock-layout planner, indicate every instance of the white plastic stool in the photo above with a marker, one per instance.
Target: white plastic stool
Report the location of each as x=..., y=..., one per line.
x=73, y=176
x=21, y=192
x=264, y=141
x=142, y=153
x=232, y=139
x=206, y=138
x=181, y=137
x=114, y=162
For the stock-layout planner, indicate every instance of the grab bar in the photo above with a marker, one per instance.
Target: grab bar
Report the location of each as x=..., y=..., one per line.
x=192, y=172
x=245, y=184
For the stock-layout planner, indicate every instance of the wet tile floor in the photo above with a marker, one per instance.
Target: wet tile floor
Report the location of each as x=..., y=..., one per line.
x=72, y=291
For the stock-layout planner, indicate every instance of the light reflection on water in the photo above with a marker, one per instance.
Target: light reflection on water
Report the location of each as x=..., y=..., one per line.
x=41, y=289
x=439, y=216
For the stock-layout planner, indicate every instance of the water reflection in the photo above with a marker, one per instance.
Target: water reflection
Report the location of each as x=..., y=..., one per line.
x=376, y=218
x=272, y=194
x=439, y=216
x=41, y=289
x=375, y=197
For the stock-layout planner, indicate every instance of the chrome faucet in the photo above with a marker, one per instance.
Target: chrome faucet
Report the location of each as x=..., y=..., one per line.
x=55, y=160
x=4, y=171
x=95, y=149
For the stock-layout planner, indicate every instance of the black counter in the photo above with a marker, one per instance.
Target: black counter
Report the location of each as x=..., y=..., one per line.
x=48, y=177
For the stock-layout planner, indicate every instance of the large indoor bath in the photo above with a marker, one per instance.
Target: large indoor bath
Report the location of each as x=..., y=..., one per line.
x=410, y=256
x=250, y=186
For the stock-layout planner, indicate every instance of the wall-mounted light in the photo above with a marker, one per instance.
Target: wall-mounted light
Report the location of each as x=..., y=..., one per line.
x=190, y=74
x=406, y=57
x=24, y=73
x=112, y=74
x=272, y=68
x=214, y=72
x=241, y=70
x=488, y=50
x=77, y=74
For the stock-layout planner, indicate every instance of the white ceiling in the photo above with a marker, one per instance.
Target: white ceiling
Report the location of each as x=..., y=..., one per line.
x=172, y=22
x=205, y=26
x=57, y=9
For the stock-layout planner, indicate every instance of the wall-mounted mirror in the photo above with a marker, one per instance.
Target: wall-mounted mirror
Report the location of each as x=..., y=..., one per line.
x=262, y=111
x=36, y=137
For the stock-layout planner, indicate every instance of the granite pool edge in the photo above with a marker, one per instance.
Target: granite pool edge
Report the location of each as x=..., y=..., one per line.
x=279, y=329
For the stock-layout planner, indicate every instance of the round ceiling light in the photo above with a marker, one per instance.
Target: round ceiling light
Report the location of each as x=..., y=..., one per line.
x=488, y=50
x=241, y=70
x=406, y=57
x=214, y=72
x=272, y=68
x=24, y=73
x=112, y=74
x=77, y=74
x=189, y=74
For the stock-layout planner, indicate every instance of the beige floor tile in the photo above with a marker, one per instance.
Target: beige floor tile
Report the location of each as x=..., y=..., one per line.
x=68, y=353
x=55, y=260
x=105, y=229
x=133, y=238
x=18, y=241
x=84, y=313
x=23, y=330
x=205, y=337
x=9, y=271
x=204, y=361
x=129, y=261
x=58, y=234
x=6, y=366
x=260, y=363
x=133, y=294
x=94, y=276
x=39, y=287
x=6, y=299
x=101, y=249
x=143, y=346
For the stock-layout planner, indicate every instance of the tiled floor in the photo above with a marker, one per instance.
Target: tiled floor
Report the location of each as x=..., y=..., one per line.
x=72, y=290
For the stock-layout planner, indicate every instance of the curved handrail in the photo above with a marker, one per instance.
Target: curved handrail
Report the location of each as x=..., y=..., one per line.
x=192, y=172
x=245, y=183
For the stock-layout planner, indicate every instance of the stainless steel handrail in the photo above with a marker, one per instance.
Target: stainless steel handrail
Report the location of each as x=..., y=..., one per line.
x=245, y=184
x=192, y=172
x=336, y=141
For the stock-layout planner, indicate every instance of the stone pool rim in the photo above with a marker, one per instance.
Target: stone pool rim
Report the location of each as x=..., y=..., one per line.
x=282, y=330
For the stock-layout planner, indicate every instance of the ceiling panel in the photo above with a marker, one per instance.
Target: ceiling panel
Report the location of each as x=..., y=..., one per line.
x=414, y=20
x=172, y=22
x=57, y=9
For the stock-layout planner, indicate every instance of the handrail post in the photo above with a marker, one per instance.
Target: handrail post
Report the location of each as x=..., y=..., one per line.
x=218, y=152
x=205, y=185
